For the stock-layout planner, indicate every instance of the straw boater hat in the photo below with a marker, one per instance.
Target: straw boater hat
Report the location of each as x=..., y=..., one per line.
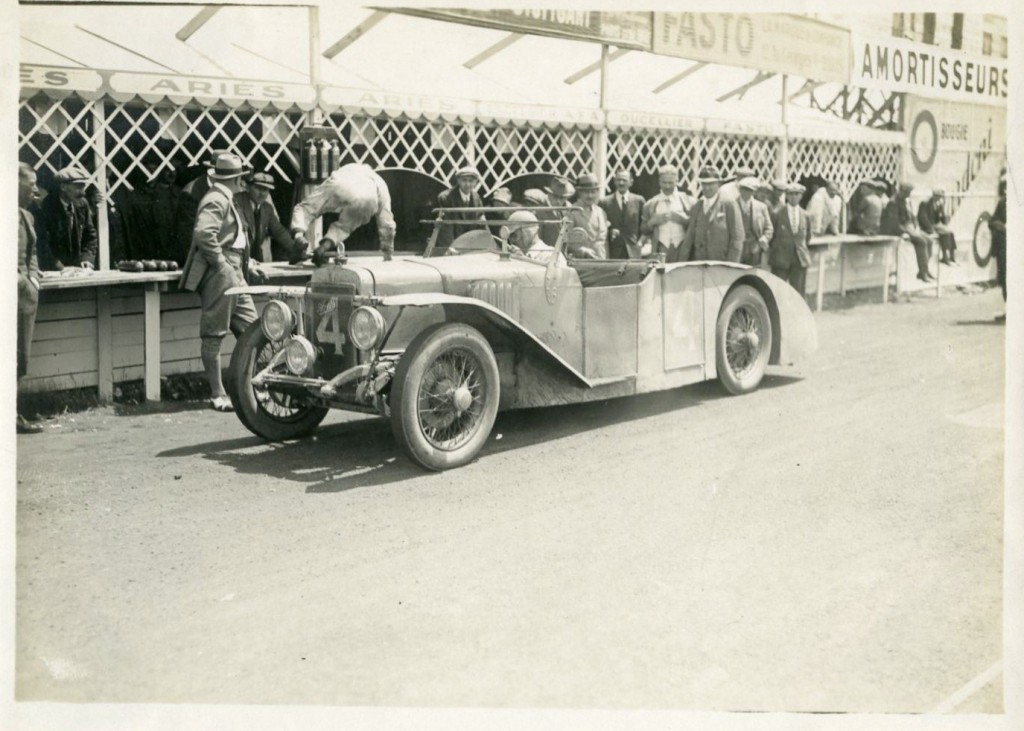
x=228, y=166
x=71, y=174
x=561, y=187
x=587, y=181
x=262, y=180
x=709, y=174
x=749, y=182
x=468, y=172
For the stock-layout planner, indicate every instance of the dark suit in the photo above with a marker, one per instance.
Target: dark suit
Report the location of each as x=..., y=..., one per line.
x=626, y=221
x=268, y=225
x=714, y=233
x=898, y=220
x=933, y=219
x=65, y=239
x=28, y=287
x=452, y=198
x=788, y=253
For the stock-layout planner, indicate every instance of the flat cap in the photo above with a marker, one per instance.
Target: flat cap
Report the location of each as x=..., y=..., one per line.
x=535, y=196
x=750, y=183
x=709, y=174
x=796, y=188
x=262, y=180
x=71, y=174
x=467, y=172
x=502, y=195
x=562, y=188
x=587, y=181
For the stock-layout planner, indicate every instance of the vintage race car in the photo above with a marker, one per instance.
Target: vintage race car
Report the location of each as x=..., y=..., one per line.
x=439, y=344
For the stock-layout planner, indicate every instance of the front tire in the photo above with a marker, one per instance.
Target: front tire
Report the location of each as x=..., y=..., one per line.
x=445, y=396
x=270, y=414
x=743, y=340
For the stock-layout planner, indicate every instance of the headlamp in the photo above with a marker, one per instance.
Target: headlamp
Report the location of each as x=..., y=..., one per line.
x=366, y=328
x=299, y=355
x=277, y=321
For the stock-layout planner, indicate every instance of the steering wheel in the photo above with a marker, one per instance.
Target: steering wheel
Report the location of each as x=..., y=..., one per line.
x=472, y=241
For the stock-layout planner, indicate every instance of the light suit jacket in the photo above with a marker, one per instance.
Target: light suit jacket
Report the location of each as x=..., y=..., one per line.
x=762, y=228
x=215, y=230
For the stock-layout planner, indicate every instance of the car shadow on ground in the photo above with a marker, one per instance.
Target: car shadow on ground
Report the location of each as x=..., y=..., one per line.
x=363, y=453
x=990, y=321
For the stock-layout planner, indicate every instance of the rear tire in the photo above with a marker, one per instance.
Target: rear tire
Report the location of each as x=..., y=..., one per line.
x=274, y=416
x=743, y=340
x=444, y=397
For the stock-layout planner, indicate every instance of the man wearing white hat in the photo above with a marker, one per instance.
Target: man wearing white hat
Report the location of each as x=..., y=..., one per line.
x=757, y=223
x=217, y=261
x=716, y=231
x=64, y=227
x=524, y=233
x=462, y=195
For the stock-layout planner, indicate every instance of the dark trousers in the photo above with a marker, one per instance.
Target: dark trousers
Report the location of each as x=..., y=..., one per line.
x=999, y=254
x=922, y=248
x=947, y=243
x=796, y=275
x=28, y=304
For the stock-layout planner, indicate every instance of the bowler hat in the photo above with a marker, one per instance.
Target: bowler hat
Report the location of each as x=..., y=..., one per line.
x=709, y=174
x=467, y=172
x=750, y=183
x=262, y=180
x=587, y=181
x=228, y=166
x=561, y=187
x=71, y=174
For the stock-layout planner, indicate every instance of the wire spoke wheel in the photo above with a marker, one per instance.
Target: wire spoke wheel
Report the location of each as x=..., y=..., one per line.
x=279, y=405
x=743, y=339
x=445, y=395
x=451, y=399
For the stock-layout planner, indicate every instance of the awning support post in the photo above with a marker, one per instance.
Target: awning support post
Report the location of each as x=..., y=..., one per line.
x=99, y=133
x=783, y=161
x=601, y=135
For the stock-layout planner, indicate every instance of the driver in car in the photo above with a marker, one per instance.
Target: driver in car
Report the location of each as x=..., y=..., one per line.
x=524, y=235
x=356, y=193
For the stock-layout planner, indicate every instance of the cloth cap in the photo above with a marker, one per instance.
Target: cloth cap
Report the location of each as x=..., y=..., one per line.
x=262, y=180
x=468, y=172
x=228, y=166
x=623, y=174
x=72, y=174
x=587, y=181
x=709, y=174
x=502, y=195
x=780, y=184
x=906, y=187
x=750, y=183
x=938, y=192
x=743, y=172
x=561, y=187
x=535, y=196
x=796, y=188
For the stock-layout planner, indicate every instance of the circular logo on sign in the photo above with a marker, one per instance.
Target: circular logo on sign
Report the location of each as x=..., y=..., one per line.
x=982, y=242
x=924, y=141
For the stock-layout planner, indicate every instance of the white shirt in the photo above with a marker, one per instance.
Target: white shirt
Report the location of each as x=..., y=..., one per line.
x=794, y=216
x=670, y=233
x=822, y=211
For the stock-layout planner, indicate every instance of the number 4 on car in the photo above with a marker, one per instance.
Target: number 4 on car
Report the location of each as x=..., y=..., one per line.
x=440, y=344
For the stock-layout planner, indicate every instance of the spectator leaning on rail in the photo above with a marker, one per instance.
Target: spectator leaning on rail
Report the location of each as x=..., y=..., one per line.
x=64, y=228
x=934, y=221
x=665, y=216
x=899, y=220
x=357, y=194
x=623, y=210
x=757, y=223
x=462, y=195
x=28, y=280
x=715, y=232
x=268, y=239
x=217, y=260
x=788, y=254
x=823, y=209
x=866, y=208
x=591, y=218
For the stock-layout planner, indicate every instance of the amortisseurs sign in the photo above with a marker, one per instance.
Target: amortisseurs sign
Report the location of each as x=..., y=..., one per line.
x=897, y=65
